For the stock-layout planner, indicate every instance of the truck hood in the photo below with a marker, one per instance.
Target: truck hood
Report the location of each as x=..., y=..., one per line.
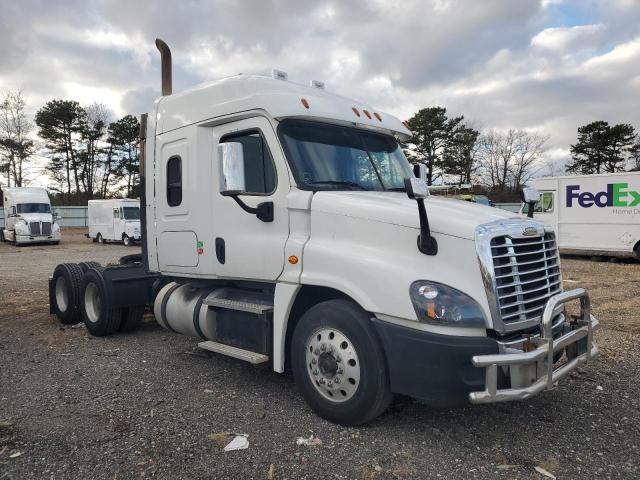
x=446, y=216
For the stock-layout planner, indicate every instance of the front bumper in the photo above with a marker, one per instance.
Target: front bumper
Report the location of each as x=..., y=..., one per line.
x=23, y=239
x=534, y=370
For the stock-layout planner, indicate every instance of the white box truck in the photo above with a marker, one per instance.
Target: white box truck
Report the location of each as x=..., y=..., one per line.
x=592, y=214
x=28, y=217
x=282, y=224
x=116, y=220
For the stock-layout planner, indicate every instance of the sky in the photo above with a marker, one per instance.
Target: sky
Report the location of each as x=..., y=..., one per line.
x=543, y=65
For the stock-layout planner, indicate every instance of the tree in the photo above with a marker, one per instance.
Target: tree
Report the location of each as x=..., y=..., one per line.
x=60, y=123
x=601, y=148
x=460, y=156
x=509, y=158
x=433, y=133
x=634, y=156
x=92, y=132
x=123, y=138
x=15, y=141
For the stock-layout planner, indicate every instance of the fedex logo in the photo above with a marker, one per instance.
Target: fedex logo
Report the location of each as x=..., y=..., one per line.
x=616, y=195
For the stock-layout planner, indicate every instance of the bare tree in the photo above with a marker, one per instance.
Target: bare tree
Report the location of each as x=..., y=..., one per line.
x=93, y=131
x=15, y=142
x=509, y=159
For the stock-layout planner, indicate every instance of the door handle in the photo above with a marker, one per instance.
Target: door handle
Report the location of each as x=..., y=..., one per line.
x=220, y=250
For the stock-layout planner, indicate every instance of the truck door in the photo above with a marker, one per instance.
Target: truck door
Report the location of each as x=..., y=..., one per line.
x=247, y=247
x=115, y=229
x=546, y=209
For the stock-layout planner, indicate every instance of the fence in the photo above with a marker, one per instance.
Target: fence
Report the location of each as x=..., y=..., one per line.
x=71, y=216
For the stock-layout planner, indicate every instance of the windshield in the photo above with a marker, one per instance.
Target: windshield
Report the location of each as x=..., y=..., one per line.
x=131, y=213
x=33, y=208
x=330, y=157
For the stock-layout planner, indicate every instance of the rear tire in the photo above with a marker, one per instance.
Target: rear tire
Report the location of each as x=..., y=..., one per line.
x=131, y=318
x=99, y=318
x=67, y=279
x=87, y=265
x=335, y=340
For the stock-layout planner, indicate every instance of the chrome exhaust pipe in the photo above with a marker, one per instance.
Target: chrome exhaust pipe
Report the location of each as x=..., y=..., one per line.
x=165, y=62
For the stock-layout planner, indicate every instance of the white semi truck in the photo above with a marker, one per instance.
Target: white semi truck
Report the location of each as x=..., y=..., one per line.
x=114, y=220
x=282, y=224
x=592, y=214
x=28, y=217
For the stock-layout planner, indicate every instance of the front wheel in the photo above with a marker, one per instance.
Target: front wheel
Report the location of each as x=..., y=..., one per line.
x=126, y=240
x=2, y=235
x=99, y=238
x=339, y=365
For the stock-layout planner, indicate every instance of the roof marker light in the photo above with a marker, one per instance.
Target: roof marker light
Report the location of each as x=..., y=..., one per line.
x=366, y=112
x=355, y=110
x=377, y=115
x=279, y=74
x=304, y=102
x=317, y=84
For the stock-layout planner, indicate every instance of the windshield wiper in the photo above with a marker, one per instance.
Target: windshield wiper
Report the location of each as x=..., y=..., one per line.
x=339, y=183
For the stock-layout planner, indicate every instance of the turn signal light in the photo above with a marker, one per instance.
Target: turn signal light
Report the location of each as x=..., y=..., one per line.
x=293, y=259
x=304, y=102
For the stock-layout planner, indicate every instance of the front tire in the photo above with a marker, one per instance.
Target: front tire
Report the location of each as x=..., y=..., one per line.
x=99, y=239
x=100, y=319
x=2, y=240
x=67, y=278
x=126, y=240
x=339, y=365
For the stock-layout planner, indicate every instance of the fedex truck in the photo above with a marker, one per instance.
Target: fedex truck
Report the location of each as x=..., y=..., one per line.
x=29, y=218
x=282, y=224
x=116, y=220
x=592, y=214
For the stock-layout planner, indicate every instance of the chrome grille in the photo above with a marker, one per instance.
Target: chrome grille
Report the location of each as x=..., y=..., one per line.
x=46, y=228
x=527, y=273
x=34, y=228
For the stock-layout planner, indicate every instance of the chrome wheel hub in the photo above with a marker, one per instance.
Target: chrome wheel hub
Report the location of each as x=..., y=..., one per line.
x=61, y=294
x=333, y=364
x=92, y=302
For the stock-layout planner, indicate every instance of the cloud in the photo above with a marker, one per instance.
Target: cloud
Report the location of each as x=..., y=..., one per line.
x=544, y=65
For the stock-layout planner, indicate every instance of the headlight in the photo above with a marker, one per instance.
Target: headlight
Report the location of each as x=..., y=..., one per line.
x=22, y=227
x=439, y=304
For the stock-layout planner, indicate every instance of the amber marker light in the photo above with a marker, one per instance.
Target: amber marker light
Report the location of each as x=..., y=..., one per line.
x=293, y=259
x=304, y=102
x=355, y=110
x=377, y=115
x=366, y=112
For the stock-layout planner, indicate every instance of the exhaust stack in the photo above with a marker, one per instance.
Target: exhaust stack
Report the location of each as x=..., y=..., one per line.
x=165, y=62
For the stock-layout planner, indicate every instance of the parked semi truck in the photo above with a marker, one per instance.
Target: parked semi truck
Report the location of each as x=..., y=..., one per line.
x=114, y=220
x=282, y=224
x=592, y=214
x=28, y=217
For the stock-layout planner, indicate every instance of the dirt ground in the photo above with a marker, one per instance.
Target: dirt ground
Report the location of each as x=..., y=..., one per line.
x=151, y=405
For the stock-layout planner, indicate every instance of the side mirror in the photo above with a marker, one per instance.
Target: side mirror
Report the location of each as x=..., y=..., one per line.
x=416, y=188
x=56, y=216
x=420, y=171
x=12, y=211
x=231, y=160
x=530, y=196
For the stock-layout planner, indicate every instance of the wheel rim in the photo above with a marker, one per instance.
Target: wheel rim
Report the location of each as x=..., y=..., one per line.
x=333, y=364
x=99, y=238
x=62, y=299
x=92, y=302
x=126, y=241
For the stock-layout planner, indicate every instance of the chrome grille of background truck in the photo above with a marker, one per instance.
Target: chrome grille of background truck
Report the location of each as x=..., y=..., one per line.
x=521, y=270
x=46, y=228
x=34, y=228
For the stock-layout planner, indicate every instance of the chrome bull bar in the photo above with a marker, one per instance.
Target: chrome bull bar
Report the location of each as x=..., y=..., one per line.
x=533, y=371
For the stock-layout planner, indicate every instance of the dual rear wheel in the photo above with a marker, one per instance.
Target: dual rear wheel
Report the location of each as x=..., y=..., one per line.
x=80, y=294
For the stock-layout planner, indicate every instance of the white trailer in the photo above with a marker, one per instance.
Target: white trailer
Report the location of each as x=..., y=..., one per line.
x=116, y=220
x=29, y=218
x=592, y=214
x=282, y=224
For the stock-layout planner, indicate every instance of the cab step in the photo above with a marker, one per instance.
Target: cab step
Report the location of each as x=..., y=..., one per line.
x=239, y=305
x=235, y=352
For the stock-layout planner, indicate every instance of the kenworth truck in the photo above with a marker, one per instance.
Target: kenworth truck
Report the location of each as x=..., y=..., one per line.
x=282, y=224
x=28, y=217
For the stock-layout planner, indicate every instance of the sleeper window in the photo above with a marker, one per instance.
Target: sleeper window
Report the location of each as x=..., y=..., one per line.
x=545, y=205
x=259, y=170
x=174, y=181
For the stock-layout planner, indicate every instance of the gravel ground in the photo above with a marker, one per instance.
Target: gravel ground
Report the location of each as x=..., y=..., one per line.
x=150, y=404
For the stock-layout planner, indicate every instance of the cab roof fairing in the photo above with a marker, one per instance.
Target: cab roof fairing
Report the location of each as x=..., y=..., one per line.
x=278, y=98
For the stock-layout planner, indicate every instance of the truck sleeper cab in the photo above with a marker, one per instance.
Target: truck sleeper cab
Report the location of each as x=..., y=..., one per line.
x=283, y=224
x=29, y=218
